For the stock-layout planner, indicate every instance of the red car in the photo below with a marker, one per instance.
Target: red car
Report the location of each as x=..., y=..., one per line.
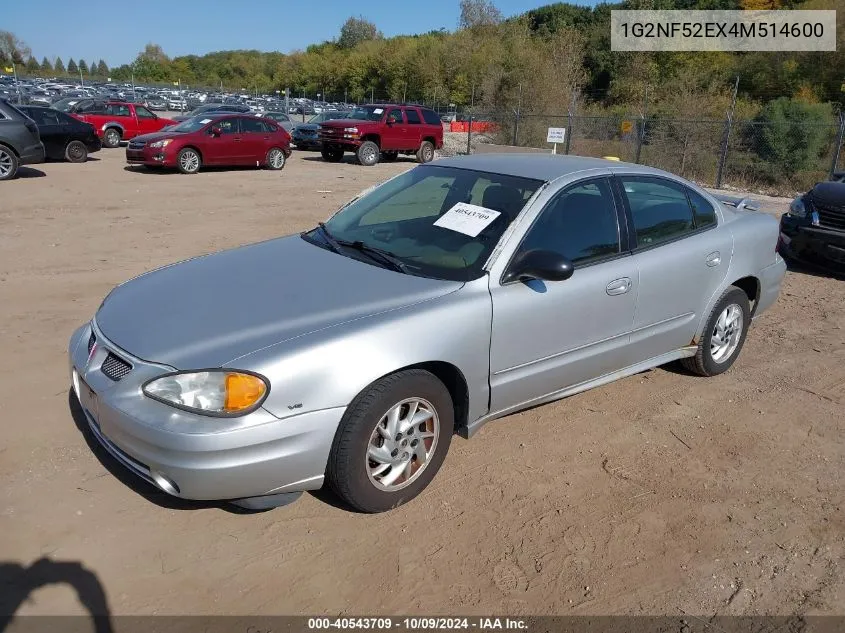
x=117, y=121
x=214, y=139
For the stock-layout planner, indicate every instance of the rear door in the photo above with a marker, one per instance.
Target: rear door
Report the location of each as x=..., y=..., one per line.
x=413, y=129
x=255, y=140
x=393, y=134
x=682, y=255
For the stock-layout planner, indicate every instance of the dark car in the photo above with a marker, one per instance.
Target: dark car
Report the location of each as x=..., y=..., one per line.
x=813, y=230
x=216, y=139
x=208, y=108
x=20, y=142
x=307, y=135
x=64, y=137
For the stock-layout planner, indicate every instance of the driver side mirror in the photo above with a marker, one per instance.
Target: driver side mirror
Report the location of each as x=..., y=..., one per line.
x=539, y=264
x=216, y=131
x=391, y=120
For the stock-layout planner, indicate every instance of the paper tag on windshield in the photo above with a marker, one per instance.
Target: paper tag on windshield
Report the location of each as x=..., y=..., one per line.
x=378, y=111
x=204, y=121
x=469, y=219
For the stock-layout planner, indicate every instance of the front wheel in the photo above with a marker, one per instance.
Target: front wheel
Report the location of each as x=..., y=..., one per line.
x=425, y=154
x=275, y=159
x=724, y=335
x=391, y=441
x=189, y=161
x=368, y=154
x=332, y=155
x=111, y=138
x=76, y=152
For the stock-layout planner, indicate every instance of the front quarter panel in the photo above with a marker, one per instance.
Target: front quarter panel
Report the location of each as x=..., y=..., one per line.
x=329, y=368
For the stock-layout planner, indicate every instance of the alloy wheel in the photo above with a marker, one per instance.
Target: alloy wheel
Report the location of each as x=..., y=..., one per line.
x=726, y=334
x=277, y=159
x=7, y=164
x=189, y=161
x=402, y=444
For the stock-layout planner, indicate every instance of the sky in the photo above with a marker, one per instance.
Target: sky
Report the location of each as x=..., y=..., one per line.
x=116, y=31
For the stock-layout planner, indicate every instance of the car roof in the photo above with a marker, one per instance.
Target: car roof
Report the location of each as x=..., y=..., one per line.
x=546, y=167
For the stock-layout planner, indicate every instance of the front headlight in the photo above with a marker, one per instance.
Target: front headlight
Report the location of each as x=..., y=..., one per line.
x=354, y=130
x=163, y=143
x=213, y=392
x=797, y=208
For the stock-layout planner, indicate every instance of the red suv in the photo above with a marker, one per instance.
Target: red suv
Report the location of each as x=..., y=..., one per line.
x=117, y=121
x=383, y=132
x=214, y=139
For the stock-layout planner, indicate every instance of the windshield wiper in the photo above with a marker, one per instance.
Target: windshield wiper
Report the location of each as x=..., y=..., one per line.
x=386, y=257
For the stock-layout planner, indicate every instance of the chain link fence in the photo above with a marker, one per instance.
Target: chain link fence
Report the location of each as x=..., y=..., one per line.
x=782, y=158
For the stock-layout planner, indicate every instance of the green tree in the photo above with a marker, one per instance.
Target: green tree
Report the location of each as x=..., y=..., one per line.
x=72, y=68
x=83, y=67
x=46, y=66
x=102, y=69
x=32, y=66
x=357, y=30
x=792, y=134
x=13, y=48
x=59, y=66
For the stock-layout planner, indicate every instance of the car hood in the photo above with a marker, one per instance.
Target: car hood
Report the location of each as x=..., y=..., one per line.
x=209, y=310
x=157, y=136
x=307, y=127
x=347, y=122
x=830, y=193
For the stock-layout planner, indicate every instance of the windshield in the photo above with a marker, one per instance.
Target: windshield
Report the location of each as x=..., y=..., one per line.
x=368, y=113
x=190, y=125
x=418, y=217
x=63, y=105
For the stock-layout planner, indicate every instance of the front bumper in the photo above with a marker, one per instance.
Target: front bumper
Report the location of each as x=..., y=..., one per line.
x=815, y=245
x=193, y=456
x=150, y=156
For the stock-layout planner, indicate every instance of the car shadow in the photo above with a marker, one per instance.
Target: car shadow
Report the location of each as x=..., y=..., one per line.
x=172, y=171
x=351, y=160
x=30, y=172
x=17, y=583
x=812, y=270
x=132, y=481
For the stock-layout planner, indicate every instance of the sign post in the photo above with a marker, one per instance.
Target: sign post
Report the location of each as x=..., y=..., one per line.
x=555, y=135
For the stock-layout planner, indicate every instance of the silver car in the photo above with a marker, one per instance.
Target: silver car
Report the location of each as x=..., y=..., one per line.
x=455, y=293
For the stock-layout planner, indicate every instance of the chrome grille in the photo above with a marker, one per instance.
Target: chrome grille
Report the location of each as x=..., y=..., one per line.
x=115, y=367
x=137, y=144
x=830, y=216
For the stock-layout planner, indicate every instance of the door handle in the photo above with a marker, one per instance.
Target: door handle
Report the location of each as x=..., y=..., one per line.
x=237, y=139
x=618, y=286
x=713, y=259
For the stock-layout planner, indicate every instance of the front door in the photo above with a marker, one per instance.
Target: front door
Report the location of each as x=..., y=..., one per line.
x=548, y=336
x=681, y=258
x=393, y=134
x=147, y=121
x=225, y=148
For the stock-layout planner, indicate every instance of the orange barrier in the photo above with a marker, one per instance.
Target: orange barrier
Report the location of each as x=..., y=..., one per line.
x=477, y=126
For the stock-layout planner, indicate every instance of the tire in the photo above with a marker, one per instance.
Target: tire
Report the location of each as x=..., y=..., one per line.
x=276, y=159
x=76, y=152
x=189, y=161
x=425, y=154
x=332, y=155
x=368, y=154
x=713, y=357
x=355, y=477
x=111, y=138
x=8, y=163
x=389, y=157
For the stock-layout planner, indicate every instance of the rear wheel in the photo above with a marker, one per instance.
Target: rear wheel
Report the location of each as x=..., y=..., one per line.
x=76, y=152
x=8, y=163
x=368, y=154
x=332, y=155
x=189, y=161
x=275, y=159
x=111, y=137
x=389, y=157
x=724, y=335
x=425, y=154
x=391, y=441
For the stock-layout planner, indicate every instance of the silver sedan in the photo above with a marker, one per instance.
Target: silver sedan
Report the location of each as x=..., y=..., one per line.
x=455, y=293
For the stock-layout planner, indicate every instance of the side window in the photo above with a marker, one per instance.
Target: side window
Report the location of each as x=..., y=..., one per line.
x=705, y=214
x=413, y=116
x=143, y=113
x=579, y=223
x=396, y=113
x=431, y=117
x=659, y=208
x=228, y=126
x=252, y=125
x=64, y=119
x=48, y=117
x=84, y=106
x=118, y=109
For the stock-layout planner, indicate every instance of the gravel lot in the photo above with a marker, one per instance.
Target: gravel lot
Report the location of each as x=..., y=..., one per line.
x=660, y=494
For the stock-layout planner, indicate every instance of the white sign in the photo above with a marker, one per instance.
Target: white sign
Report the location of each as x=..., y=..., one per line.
x=469, y=219
x=556, y=135
x=204, y=121
x=378, y=111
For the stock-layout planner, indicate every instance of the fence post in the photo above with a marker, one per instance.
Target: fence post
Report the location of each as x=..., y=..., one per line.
x=640, y=138
x=568, y=132
x=469, y=135
x=723, y=152
x=838, y=146
x=515, y=128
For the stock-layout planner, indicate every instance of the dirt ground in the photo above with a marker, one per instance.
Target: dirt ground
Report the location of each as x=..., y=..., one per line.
x=660, y=494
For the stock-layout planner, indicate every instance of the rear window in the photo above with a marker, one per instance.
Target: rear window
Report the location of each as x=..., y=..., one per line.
x=431, y=117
